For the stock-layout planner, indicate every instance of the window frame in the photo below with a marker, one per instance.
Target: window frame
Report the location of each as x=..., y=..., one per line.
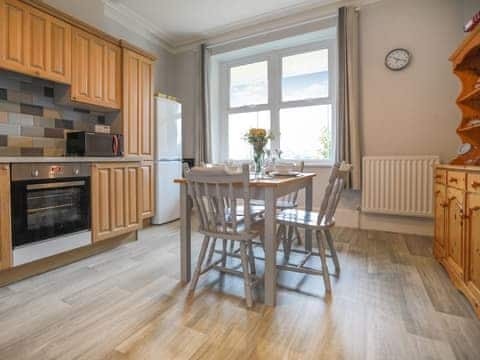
x=275, y=103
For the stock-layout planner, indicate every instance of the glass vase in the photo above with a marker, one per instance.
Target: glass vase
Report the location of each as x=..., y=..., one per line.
x=259, y=159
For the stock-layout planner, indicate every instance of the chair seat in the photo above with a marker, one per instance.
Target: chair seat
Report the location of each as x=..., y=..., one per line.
x=302, y=218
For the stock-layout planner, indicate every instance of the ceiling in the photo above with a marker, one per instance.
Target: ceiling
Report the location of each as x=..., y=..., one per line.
x=181, y=22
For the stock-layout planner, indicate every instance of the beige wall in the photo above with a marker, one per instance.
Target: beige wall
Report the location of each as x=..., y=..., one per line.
x=411, y=112
x=92, y=12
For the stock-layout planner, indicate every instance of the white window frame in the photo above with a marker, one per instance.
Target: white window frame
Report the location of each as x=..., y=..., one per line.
x=275, y=103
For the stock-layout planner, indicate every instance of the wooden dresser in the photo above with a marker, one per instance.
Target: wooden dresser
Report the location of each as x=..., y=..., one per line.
x=457, y=227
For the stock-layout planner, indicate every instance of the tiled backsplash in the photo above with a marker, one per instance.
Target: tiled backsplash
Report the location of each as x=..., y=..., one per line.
x=30, y=123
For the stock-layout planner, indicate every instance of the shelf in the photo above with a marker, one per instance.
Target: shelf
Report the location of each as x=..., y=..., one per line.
x=472, y=133
x=471, y=96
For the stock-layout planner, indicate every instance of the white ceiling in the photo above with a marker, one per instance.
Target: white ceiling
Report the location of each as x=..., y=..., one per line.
x=179, y=22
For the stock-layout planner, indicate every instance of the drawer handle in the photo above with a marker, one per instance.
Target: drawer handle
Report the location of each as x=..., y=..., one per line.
x=438, y=177
x=475, y=209
x=453, y=180
x=475, y=184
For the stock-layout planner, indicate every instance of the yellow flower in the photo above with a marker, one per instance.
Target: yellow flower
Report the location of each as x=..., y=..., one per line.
x=257, y=132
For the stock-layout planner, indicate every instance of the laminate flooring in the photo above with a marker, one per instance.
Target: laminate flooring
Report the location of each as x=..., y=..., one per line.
x=392, y=300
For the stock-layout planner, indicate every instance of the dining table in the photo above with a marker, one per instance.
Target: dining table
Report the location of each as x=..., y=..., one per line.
x=268, y=189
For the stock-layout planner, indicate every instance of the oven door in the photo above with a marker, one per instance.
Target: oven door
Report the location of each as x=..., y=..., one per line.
x=48, y=208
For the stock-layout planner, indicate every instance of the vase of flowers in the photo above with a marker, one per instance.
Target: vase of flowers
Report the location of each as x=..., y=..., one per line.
x=258, y=138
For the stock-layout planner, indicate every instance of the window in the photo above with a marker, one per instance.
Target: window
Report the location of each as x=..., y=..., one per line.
x=289, y=91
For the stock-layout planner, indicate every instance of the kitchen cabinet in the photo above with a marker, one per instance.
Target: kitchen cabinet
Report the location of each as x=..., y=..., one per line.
x=457, y=227
x=34, y=43
x=148, y=189
x=5, y=218
x=116, y=204
x=96, y=71
x=138, y=104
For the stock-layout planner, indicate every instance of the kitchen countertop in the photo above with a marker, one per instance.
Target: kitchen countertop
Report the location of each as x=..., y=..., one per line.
x=65, y=159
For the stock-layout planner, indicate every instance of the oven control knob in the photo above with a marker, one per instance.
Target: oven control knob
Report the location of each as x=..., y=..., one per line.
x=35, y=173
x=76, y=172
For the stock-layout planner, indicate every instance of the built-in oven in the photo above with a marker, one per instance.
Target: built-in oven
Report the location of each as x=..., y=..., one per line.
x=49, y=200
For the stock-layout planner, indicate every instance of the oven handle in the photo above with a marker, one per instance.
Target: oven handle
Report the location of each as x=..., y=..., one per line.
x=56, y=185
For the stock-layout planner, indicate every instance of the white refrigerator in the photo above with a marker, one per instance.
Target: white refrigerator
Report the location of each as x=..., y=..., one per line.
x=167, y=159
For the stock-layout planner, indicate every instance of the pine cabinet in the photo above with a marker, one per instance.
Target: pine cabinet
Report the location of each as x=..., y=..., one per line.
x=116, y=203
x=5, y=218
x=96, y=71
x=457, y=227
x=148, y=189
x=34, y=43
x=138, y=104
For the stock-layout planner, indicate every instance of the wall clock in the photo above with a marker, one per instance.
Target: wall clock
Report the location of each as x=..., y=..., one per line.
x=397, y=59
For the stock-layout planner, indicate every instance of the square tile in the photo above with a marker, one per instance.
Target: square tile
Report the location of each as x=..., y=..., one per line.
x=48, y=92
x=65, y=124
x=3, y=94
x=31, y=152
x=3, y=140
x=9, y=129
x=20, y=119
x=20, y=141
x=32, y=131
x=55, y=133
x=31, y=109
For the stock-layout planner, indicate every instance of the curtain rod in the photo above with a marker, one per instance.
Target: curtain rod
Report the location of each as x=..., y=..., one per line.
x=266, y=32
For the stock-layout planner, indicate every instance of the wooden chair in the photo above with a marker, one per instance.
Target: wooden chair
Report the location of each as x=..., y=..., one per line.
x=215, y=195
x=319, y=222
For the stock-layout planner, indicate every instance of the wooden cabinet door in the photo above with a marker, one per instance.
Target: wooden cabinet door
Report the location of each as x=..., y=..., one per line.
x=60, y=51
x=146, y=108
x=38, y=39
x=455, y=233
x=113, y=76
x=148, y=189
x=81, y=88
x=473, y=246
x=138, y=105
x=440, y=221
x=115, y=201
x=96, y=56
x=131, y=116
x=13, y=35
x=5, y=219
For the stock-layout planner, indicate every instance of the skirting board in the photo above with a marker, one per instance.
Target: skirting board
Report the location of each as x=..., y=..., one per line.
x=400, y=224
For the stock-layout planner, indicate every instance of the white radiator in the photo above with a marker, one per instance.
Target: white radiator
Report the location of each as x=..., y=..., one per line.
x=398, y=185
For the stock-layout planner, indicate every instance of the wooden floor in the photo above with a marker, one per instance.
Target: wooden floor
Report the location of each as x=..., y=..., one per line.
x=392, y=301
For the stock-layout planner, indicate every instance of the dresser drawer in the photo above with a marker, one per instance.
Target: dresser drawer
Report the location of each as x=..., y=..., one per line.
x=456, y=179
x=441, y=176
x=473, y=183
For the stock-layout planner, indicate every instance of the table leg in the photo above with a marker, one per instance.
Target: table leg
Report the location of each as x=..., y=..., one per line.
x=308, y=207
x=185, y=235
x=270, y=247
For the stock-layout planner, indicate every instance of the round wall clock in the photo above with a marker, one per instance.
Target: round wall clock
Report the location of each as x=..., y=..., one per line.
x=397, y=59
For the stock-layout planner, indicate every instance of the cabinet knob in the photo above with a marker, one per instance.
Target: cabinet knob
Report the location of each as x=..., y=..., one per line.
x=475, y=184
x=453, y=180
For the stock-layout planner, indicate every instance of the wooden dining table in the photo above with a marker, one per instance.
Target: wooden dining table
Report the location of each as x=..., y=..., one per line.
x=268, y=189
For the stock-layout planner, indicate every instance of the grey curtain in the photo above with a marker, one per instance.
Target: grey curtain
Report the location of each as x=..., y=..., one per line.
x=348, y=114
x=202, y=109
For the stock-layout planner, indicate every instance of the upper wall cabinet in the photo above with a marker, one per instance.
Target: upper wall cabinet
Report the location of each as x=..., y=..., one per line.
x=34, y=43
x=96, y=71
